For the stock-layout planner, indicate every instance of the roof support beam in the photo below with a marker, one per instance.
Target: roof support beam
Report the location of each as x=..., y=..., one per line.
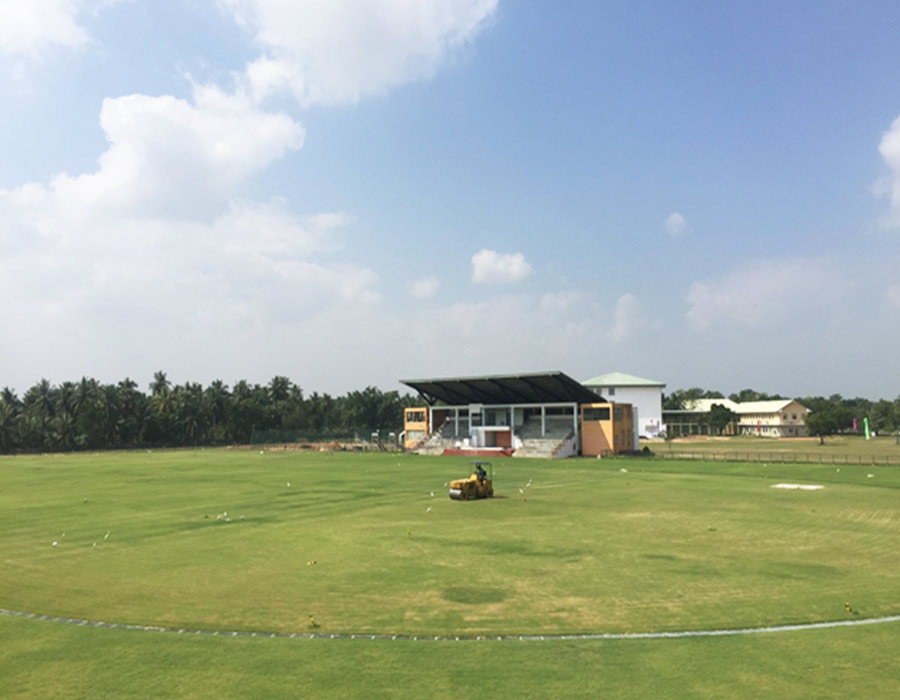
x=508, y=389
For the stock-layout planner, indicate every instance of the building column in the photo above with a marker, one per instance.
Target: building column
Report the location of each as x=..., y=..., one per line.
x=456, y=422
x=543, y=421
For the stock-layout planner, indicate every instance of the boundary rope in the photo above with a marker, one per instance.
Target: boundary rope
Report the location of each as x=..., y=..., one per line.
x=457, y=638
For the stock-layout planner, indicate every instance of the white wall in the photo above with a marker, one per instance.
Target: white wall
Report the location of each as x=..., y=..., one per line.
x=646, y=399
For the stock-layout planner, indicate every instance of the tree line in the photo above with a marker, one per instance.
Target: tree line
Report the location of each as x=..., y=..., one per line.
x=828, y=415
x=91, y=415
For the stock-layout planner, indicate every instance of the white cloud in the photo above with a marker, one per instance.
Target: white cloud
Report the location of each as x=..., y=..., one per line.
x=128, y=293
x=765, y=293
x=30, y=27
x=491, y=267
x=425, y=288
x=675, y=224
x=162, y=252
x=631, y=321
x=172, y=158
x=890, y=187
x=157, y=250
x=254, y=230
x=342, y=50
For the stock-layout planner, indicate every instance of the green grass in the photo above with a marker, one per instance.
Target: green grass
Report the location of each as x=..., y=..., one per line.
x=47, y=660
x=665, y=545
x=836, y=447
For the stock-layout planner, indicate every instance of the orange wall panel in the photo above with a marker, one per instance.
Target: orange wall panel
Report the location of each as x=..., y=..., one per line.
x=612, y=436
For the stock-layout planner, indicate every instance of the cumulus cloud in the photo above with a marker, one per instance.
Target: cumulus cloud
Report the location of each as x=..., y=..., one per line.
x=675, y=224
x=167, y=158
x=889, y=148
x=340, y=51
x=489, y=266
x=159, y=242
x=764, y=293
x=424, y=288
x=175, y=158
x=29, y=28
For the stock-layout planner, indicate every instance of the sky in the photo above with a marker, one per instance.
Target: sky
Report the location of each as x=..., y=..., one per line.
x=355, y=192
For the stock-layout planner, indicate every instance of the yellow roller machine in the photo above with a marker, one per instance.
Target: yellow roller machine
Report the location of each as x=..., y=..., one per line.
x=479, y=484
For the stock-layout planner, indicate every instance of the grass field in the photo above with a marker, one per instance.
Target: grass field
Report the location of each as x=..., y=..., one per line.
x=836, y=447
x=238, y=540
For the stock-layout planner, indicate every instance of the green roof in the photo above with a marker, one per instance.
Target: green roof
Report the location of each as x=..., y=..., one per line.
x=621, y=379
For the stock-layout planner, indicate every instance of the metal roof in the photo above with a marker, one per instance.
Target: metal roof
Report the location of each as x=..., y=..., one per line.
x=770, y=406
x=617, y=379
x=543, y=387
x=744, y=408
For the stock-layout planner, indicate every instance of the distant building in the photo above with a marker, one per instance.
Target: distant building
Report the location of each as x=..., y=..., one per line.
x=645, y=395
x=773, y=418
x=691, y=420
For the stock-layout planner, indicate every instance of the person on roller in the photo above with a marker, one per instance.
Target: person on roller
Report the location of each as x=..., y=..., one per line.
x=480, y=473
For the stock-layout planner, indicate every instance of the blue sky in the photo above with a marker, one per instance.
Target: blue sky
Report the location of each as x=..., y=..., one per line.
x=353, y=192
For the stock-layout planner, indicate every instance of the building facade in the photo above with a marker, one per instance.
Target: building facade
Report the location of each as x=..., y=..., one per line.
x=645, y=395
x=606, y=429
x=774, y=418
x=532, y=415
x=777, y=418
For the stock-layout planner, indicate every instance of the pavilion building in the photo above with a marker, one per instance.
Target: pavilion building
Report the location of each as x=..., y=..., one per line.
x=545, y=414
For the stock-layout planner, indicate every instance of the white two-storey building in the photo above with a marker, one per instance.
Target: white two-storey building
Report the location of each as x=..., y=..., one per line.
x=645, y=395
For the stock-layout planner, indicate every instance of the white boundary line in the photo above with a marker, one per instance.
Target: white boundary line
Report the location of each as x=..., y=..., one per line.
x=461, y=638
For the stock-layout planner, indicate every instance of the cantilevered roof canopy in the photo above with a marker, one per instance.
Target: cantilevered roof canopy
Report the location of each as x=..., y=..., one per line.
x=544, y=387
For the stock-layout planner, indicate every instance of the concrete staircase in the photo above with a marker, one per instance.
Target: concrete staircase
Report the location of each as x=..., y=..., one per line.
x=441, y=439
x=556, y=440
x=434, y=444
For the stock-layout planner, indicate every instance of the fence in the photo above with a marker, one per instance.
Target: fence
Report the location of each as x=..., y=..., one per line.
x=784, y=458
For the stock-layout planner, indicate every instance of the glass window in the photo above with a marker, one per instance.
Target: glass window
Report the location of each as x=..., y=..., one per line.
x=617, y=413
x=596, y=413
x=611, y=391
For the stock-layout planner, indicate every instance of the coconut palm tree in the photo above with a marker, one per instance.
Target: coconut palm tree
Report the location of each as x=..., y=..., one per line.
x=10, y=413
x=159, y=384
x=216, y=400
